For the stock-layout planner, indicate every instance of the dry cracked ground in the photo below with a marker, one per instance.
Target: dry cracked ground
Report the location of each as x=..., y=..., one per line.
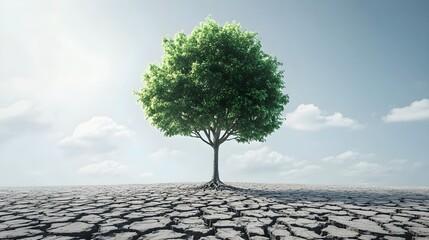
x=178, y=211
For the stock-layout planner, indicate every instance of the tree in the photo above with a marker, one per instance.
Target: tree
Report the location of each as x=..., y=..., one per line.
x=215, y=84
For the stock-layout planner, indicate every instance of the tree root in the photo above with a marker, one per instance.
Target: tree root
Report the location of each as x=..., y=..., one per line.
x=216, y=185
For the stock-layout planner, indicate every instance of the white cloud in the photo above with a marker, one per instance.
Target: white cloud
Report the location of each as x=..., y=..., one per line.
x=166, y=153
x=108, y=167
x=21, y=118
x=303, y=172
x=417, y=111
x=264, y=159
x=399, y=161
x=366, y=170
x=96, y=135
x=417, y=164
x=348, y=155
x=400, y=164
x=145, y=174
x=308, y=117
x=99, y=157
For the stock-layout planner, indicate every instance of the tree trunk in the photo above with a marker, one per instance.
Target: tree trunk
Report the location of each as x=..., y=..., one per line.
x=216, y=183
x=216, y=163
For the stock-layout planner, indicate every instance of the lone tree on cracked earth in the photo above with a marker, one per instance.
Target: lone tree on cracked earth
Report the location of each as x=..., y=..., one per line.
x=216, y=84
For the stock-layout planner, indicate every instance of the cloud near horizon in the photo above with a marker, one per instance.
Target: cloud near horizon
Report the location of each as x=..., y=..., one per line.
x=346, y=156
x=302, y=172
x=308, y=117
x=165, y=154
x=263, y=159
x=107, y=167
x=21, y=118
x=145, y=174
x=367, y=170
x=416, y=111
x=96, y=135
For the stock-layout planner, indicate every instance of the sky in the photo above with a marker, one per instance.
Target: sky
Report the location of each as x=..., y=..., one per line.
x=356, y=72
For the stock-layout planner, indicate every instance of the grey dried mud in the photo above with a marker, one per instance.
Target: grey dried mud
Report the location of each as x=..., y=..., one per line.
x=184, y=211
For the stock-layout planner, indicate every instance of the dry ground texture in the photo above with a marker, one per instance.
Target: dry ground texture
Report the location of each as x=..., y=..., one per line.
x=180, y=211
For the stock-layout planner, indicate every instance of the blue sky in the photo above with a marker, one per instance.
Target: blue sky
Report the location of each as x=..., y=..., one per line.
x=357, y=73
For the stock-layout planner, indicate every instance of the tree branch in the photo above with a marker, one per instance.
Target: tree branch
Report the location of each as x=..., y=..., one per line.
x=208, y=136
x=234, y=138
x=212, y=130
x=224, y=134
x=228, y=132
x=199, y=136
x=225, y=138
x=194, y=136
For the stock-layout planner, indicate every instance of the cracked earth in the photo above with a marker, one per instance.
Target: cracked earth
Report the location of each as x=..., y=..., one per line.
x=178, y=211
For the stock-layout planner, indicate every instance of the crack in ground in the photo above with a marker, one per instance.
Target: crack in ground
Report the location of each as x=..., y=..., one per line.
x=249, y=205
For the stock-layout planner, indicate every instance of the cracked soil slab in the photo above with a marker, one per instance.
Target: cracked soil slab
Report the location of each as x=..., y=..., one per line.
x=182, y=211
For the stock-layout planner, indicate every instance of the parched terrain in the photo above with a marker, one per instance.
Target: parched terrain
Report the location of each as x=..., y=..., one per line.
x=179, y=211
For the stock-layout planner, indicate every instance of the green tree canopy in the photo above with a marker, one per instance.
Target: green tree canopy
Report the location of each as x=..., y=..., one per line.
x=216, y=84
